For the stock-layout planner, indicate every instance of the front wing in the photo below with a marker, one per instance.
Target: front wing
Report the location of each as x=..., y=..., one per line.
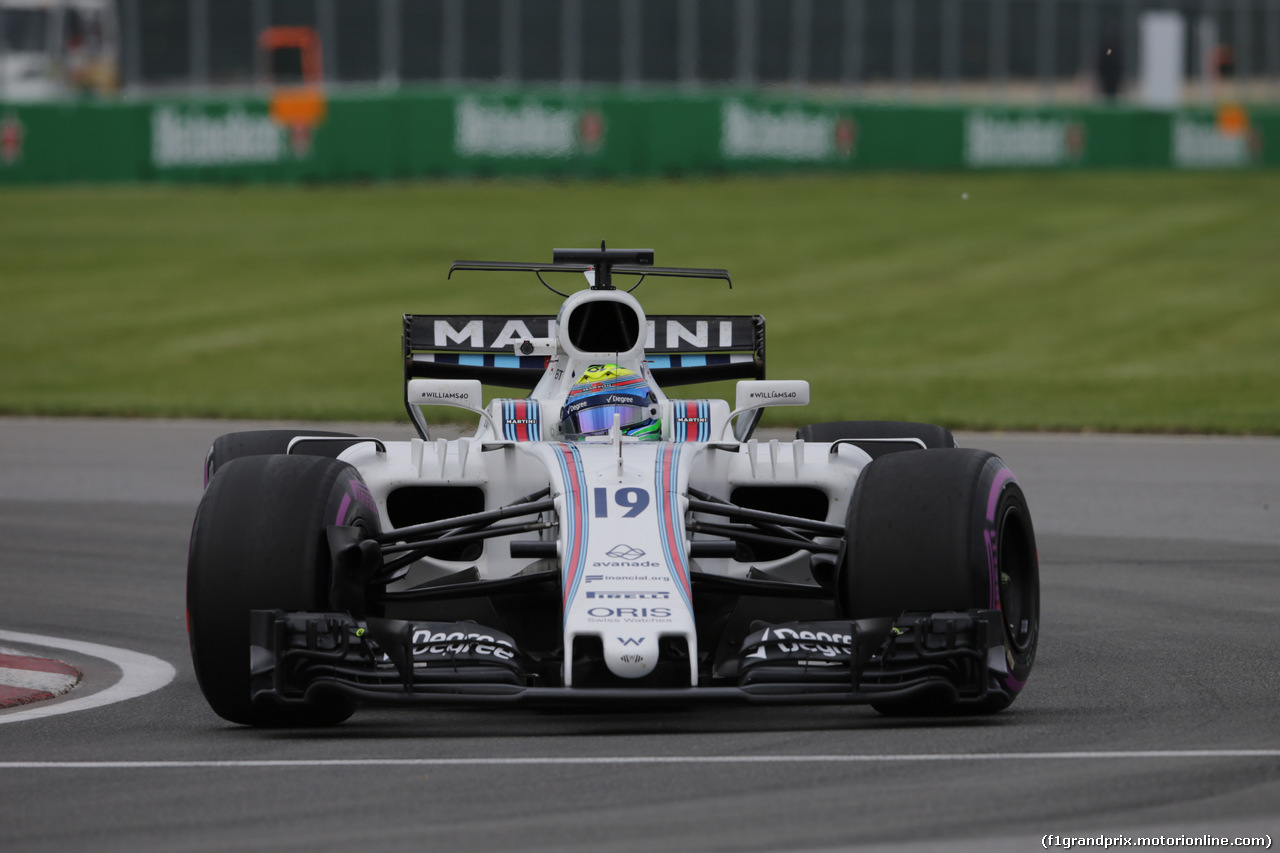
x=298, y=657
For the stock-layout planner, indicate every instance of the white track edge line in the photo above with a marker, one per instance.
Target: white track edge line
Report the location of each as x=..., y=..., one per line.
x=1185, y=754
x=140, y=674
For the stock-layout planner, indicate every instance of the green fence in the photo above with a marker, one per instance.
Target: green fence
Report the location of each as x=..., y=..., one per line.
x=608, y=133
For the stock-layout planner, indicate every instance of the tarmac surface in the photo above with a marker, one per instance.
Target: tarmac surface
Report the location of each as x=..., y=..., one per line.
x=1152, y=709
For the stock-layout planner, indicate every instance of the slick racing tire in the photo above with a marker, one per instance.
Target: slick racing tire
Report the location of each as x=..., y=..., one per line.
x=874, y=434
x=259, y=543
x=264, y=442
x=946, y=530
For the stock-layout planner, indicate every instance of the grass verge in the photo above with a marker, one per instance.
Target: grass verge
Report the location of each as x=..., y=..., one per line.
x=1078, y=301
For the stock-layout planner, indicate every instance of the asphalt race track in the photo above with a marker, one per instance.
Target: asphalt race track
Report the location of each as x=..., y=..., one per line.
x=1153, y=710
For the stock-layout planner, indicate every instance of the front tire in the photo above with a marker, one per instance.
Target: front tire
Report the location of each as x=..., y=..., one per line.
x=259, y=543
x=946, y=530
x=266, y=442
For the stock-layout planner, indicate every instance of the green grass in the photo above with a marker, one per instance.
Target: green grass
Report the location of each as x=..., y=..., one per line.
x=1098, y=301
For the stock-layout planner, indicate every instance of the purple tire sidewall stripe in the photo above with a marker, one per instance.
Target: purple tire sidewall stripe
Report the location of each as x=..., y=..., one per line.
x=1003, y=478
x=1004, y=475
x=356, y=492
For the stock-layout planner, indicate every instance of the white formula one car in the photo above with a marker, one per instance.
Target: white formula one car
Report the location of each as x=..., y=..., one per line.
x=600, y=541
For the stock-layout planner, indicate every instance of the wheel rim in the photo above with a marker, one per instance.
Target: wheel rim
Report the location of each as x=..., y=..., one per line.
x=1019, y=581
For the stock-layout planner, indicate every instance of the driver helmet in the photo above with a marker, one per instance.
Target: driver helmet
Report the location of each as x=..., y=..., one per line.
x=606, y=390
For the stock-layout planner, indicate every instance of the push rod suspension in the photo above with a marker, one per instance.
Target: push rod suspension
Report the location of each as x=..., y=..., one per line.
x=481, y=519
x=706, y=503
x=750, y=535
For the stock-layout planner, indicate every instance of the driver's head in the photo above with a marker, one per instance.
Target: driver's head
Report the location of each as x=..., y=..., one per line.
x=606, y=391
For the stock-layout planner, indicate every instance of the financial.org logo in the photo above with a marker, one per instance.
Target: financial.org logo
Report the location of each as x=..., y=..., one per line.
x=625, y=552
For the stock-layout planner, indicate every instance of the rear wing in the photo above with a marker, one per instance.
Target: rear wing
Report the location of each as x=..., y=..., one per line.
x=511, y=351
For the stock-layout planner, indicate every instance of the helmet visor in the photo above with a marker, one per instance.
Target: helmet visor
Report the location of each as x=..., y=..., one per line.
x=599, y=420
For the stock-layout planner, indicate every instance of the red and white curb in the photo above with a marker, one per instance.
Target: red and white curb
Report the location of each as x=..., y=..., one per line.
x=140, y=674
x=25, y=679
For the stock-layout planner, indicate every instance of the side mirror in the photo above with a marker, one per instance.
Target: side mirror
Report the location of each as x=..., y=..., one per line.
x=758, y=393
x=460, y=393
x=754, y=395
x=463, y=393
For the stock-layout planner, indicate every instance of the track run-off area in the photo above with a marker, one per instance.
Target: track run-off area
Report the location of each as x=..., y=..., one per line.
x=1153, y=709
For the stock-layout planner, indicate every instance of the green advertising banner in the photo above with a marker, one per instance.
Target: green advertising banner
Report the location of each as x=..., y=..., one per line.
x=71, y=142
x=600, y=133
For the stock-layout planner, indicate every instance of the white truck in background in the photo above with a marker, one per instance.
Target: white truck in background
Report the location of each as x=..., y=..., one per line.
x=53, y=49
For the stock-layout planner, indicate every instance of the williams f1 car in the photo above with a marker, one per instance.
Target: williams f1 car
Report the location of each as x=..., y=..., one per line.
x=599, y=541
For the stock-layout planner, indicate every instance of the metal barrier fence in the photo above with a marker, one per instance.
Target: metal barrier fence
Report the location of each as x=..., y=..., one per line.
x=1007, y=50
